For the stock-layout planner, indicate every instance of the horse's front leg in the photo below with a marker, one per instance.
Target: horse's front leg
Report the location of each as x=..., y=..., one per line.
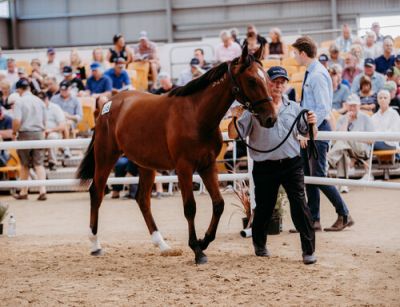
x=185, y=174
x=210, y=180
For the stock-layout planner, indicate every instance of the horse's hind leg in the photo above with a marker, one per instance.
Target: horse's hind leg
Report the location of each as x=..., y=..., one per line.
x=104, y=165
x=210, y=180
x=185, y=174
x=143, y=198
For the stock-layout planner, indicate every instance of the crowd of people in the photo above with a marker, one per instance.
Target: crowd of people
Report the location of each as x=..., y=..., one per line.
x=364, y=73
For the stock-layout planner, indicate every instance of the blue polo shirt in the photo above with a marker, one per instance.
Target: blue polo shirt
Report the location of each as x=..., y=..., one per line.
x=6, y=122
x=120, y=81
x=104, y=84
x=383, y=64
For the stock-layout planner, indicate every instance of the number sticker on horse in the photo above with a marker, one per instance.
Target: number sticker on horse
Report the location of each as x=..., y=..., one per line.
x=106, y=108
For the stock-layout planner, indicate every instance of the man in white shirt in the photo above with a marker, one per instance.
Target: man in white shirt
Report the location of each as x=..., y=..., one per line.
x=52, y=66
x=12, y=72
x=228, y=49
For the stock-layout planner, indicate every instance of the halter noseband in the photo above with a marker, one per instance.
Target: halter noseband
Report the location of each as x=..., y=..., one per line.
x=241, y=97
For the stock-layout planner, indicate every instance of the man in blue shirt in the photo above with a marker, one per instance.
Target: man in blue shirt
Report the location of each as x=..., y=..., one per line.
x=317, y=96
x=98, y=84
x=386, y=60
x=119, y=76
x=377, y=79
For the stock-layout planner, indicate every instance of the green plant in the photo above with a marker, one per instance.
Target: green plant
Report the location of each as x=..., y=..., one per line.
x=3, y=212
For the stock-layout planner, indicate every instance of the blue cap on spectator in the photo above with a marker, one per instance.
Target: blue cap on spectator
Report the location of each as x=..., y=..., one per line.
x=397, y=58
x=51, y=51
x=194, y=62
x=95, y=66
x=67, y=70
x=22, y=83
x=277, y=72
x=323, y=58
x=369, y=62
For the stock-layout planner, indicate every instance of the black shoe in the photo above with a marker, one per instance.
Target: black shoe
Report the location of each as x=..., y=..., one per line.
x=52, y=166
x=261, y=251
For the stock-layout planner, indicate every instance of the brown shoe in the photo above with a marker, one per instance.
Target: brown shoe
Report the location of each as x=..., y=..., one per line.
x=341, y=223
x=42, y=197
x=20, y=197
x=317, y=226
x=294, y=230
x=115, y=194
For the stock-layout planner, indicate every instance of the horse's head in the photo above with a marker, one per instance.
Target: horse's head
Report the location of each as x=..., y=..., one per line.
x=250, y=88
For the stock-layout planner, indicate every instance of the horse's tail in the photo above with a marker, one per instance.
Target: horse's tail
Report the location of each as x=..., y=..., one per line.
x=86, y=169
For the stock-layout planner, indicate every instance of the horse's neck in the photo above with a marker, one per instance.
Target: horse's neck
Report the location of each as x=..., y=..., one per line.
x=214, y=103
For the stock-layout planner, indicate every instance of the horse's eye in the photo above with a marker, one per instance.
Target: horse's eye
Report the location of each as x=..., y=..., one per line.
x=252, y=82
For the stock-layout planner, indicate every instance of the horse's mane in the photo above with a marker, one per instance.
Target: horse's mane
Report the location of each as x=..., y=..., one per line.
x=209, y=77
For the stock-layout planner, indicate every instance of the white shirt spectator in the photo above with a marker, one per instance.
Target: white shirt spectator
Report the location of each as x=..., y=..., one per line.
x=388, y=121
x=52, y=69
x=54, y=115
x=224, y=54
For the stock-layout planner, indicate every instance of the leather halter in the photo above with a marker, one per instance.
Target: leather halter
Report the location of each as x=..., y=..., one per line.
x=241, y=97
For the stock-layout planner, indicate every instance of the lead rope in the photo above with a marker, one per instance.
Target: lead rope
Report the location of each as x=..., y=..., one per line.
x=312, y=148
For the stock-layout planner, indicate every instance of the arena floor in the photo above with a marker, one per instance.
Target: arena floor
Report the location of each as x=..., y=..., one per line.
x=48, y=263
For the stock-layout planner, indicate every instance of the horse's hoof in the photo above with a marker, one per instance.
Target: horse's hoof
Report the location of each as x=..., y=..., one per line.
x=201, y=259
x=97, y=252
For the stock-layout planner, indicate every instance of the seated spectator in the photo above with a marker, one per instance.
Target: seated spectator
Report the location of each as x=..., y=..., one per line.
x=376, y=28
x=146, y=50
x=253, y=45
x=386, y=60
x=10, y=103
x=5, y=126
x=33, y=84
x=386, y=120
x=119, y=51
x=391, y=87
x=52, y=66
x=345, y=40
x=276, y=47
x=235, y=35
x=323, y=59
x=12, y=71
x=119, y=76
x=199, y=54
x=5, y=91
x=121, y=168
x=51, y=87
x=72, y=110
x=350, y=70
x=98, y=56
x=339, y=156
x=98, y=84
x=340, y=91
x=78, y=67
x=357, y=51
x=368, y=97
x=36, y=74
x=396, y=68
x=371, y=49
x=334, y=57
x=190, y=73
x=260, y=39
x=377, y=79
x=55, y=126
x=76, y=84
x=165, y=84
x=3, y=61
x=29, y=123
x=228, y=49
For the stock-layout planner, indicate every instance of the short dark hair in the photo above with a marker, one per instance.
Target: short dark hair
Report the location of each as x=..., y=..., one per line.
x=306, y=44
x=199, y=49
x=365, y=80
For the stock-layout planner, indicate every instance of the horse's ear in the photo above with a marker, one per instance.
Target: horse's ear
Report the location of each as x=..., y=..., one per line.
x=259, y=54
x=245, y=53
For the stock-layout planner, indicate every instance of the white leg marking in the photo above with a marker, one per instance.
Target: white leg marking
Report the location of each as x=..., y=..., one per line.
x=95, y=242
x=158, y=240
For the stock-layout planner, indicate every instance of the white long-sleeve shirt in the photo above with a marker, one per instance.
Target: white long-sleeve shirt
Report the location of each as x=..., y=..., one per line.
x=388, y=121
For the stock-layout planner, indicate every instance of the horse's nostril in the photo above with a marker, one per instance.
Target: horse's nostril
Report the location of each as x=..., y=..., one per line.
x=269, y=122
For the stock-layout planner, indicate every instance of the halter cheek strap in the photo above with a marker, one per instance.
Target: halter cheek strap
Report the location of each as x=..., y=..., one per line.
x=241, y=97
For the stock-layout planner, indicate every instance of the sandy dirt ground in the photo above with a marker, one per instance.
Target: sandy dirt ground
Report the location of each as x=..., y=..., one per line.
x=48, y=263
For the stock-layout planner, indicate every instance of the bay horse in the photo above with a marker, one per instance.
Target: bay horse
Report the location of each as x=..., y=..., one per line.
x=178, y=130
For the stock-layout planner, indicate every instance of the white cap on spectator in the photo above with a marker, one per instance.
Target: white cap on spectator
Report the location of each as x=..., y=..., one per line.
x=353, y=99
x=143, y=35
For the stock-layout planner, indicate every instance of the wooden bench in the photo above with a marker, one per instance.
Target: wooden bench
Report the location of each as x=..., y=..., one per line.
x=386, y=161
